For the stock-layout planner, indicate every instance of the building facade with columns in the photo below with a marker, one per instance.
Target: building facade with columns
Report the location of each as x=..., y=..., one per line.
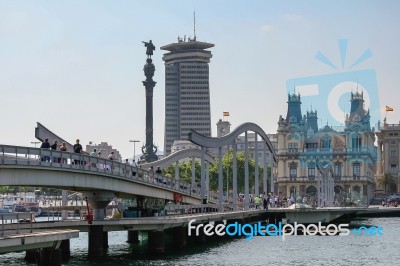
x=349, y=149
x=388, y=153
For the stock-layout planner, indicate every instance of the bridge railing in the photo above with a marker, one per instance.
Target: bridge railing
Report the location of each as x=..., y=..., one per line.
x=17, y=155
x=16, y=219
x=179, y=210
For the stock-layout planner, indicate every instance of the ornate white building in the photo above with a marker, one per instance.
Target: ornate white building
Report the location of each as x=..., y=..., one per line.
x=348, y=149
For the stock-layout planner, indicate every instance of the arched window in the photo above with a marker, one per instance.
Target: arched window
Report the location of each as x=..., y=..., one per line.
x=337, y=171
x=326, y=142
x=293, y=170
x=357, y=189
x=292, y=191
x=356, y=171
x=356, y=142
x=311, y=171
x=311, y=190
x=393, y=168
x=338, y=189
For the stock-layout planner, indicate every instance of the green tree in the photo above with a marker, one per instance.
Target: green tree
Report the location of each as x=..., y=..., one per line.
x=386, y=181
x=185, y=171
x=227, y=171
x=6, y=189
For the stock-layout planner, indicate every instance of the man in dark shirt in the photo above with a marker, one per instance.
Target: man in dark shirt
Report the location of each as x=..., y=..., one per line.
x=45, y=145
x=54, y=147
x=158, y=171
x=77, y=149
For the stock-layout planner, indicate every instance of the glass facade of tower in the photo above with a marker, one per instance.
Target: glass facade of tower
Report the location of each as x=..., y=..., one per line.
x=187, y=91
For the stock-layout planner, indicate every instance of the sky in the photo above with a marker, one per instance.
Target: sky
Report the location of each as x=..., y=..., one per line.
x=77, y=66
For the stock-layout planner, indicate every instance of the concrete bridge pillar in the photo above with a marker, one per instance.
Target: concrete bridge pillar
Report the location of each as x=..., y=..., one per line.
x=97, y=242
x=50, y=257
x=215, y=236
x=98, y=201
x=179, y=236
x=105, y=240
x=201, y=238
x=65, y=249
x=32, y=255
x=133, y=236
x=156, y=242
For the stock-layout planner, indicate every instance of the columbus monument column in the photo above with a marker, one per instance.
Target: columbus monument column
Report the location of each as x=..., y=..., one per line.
x=149, y=150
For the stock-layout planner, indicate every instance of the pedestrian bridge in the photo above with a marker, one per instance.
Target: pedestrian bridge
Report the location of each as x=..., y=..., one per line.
x=100, y=179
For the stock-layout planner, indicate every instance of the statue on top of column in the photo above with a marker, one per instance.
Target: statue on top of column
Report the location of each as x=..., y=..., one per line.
x=150, y=48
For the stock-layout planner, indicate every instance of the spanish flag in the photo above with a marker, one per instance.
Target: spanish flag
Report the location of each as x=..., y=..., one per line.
x=389, y=109
x=227, y=113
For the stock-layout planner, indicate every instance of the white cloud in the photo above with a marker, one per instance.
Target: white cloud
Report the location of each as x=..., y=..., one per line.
x=293, y=17
x=267, y=28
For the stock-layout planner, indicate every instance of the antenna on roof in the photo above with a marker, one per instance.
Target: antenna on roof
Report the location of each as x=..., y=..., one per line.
x=194, y=24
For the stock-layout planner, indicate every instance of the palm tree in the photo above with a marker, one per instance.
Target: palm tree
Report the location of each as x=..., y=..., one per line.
x=386, y=180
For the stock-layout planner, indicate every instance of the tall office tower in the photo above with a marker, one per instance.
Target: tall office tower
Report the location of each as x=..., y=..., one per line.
x=187, y=90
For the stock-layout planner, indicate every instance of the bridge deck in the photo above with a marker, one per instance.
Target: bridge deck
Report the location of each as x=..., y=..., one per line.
x=144, y=223
x=12, y=241
x=79, y=172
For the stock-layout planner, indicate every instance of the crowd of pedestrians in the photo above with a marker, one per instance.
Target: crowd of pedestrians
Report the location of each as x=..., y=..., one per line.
x=78, y=149
x=269, y=200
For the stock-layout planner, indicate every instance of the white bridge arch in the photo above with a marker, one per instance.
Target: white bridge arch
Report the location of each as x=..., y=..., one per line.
x=230, y=139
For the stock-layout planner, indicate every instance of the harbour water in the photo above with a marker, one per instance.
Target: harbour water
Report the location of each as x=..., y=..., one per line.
x=261, y=250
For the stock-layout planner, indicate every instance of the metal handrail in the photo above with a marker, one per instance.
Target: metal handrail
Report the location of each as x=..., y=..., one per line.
x=18, y=217
x=200, y=209
x=18, y=155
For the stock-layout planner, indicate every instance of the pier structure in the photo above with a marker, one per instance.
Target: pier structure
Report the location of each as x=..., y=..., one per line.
x=176, y=224
x=46, y=246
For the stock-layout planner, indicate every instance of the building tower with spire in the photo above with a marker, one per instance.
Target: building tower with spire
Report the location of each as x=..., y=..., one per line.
x=294, y=108
x=312, y=121
x=357, y=112
x=187, y=90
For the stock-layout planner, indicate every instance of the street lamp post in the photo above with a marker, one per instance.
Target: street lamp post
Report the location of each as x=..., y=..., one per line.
x=134, y=148
x=35, y=142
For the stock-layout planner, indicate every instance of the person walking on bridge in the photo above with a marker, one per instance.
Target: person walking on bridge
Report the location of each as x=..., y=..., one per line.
x=158, y=171
x=63, y=147
x=256, y=201
x=77, y=149
x=127, y=164
x=111, y=158
x=94, y=154
x=134, y=169
x=265, y=202
x=54, y=147
x=45, y=145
